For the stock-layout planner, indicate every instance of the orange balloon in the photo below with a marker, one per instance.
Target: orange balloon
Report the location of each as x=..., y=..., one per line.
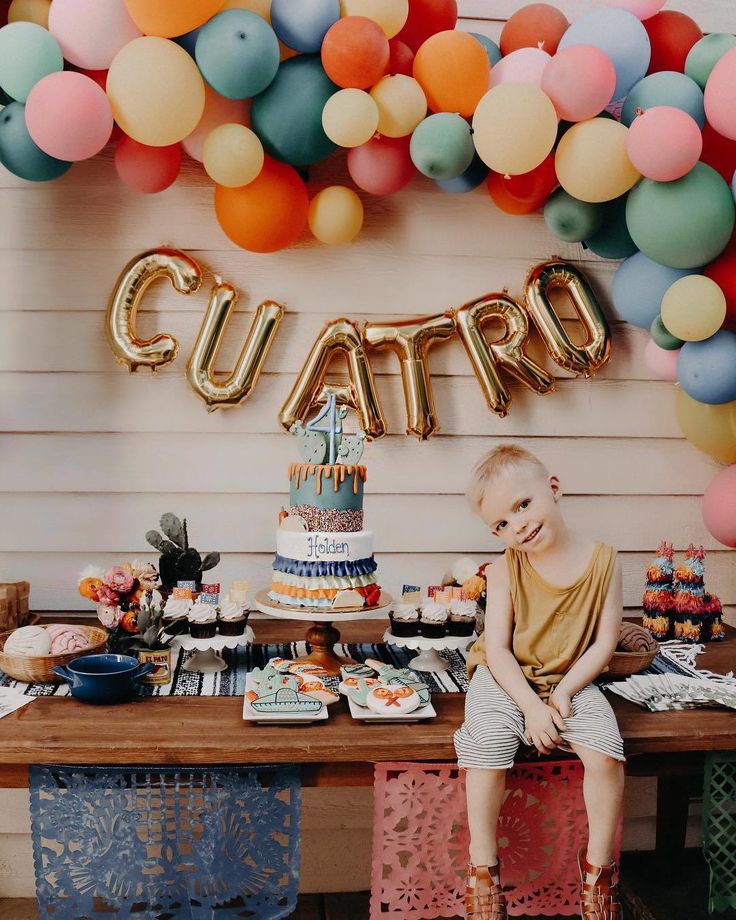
x=169, y=18
x=453, y=70
x=355, y=52
x=269, y=213
x=526, y=192
x=532, y=24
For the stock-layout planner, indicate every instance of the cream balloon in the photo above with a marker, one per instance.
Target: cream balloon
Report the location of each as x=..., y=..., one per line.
x=261, y=8
x=401, y=105
x=156, y=91
x=514, y=128
x=391, y=15
x=350, y=117
x=232, y=155
x=218, y=110
x=711, y=429
x=336, y=215
x=30, y=11
x=693, y=308
x=592, y=162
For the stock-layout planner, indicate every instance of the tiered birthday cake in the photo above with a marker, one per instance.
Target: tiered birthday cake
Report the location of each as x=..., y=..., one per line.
x=324, y=557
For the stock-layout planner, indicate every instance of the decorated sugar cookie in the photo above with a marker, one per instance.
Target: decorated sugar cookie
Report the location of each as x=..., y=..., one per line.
x=285, y=699
x=392, y=700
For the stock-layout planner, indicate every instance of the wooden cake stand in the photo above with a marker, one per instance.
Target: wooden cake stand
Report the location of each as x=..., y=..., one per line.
x=321, y=635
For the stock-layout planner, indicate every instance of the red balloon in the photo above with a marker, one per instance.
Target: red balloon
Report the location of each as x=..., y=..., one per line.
x=524, y=193
x=719, y=152
x=672, y=35
x=4, y=7
x=427, y=17
x=723, y=271
x=355, y=52
x=382, y=166
x=147, y=169
x=531, y=25
x=401, y=58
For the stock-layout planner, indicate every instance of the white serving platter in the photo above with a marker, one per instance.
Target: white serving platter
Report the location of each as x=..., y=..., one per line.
x=363, y=714
x=280, y=718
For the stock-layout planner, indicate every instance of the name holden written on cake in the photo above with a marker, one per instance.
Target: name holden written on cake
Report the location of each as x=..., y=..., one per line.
x=320, y=547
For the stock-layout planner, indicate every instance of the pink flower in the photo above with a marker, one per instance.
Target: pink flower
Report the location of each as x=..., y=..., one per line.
x=119, y=579
x=108, y=615
x=146, y=574
x=107, y=596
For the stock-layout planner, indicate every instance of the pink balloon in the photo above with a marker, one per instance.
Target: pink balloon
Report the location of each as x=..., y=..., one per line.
x=218, y=110
x=664, y=143
x=661, y=362
x=719, y=507
x=525, y=65
x=147, y=169
x=720, y=96
x=68, y=116
x=91, y=32
x=580, y=80
x=381, y=166
x=642, y=9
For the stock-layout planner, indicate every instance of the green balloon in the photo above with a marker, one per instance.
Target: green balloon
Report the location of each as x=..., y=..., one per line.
x=665, y=87
x=28, y=52
x=662, y=336
x=287, y=116
x=613, y=240
x=705, y=54
x=571, y=219
x=19, y=154
x=685, y=223
x=441, y=146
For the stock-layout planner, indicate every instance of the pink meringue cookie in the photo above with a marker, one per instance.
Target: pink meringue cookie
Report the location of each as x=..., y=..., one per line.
x=66, y=639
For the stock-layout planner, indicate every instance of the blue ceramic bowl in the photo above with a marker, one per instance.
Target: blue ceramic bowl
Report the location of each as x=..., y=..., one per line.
x=103, y=679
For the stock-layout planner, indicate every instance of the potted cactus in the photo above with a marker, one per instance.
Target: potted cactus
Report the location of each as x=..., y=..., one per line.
x=178, y=561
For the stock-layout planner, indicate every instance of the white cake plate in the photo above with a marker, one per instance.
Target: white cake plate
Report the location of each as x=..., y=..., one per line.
x=206, y=660
x=429, y=658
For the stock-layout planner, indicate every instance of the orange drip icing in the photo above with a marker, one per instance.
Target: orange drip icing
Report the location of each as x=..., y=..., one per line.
x=338, y=472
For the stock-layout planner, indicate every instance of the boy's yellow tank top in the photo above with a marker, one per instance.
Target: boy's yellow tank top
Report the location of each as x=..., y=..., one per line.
x=553, y=626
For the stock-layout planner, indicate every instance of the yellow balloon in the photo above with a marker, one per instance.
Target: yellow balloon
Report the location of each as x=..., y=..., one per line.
x=514, y=128
x=233, y=155
x=336, y=215
x=592, y=163
x=712, y=429
x=156, y=91
x=30, y=11
x=401, y=104
x=389, y=14
x=350, y=117
x=693, y=308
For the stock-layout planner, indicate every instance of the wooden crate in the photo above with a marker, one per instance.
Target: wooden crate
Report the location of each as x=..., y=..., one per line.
x=14, y=610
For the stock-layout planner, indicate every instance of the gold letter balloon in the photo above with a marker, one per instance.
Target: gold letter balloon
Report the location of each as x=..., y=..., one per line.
x=186, y=276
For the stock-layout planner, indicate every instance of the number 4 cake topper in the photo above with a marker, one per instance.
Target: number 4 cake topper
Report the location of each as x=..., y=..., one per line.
x=326, y=443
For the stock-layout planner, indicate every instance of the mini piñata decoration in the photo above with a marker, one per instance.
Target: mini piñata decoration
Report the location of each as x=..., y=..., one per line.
x=658, y=600
x=690, y=618
x=713, y=610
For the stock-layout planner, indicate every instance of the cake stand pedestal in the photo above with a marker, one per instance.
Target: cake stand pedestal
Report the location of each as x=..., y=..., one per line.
x=429, y=658
x=206, y=659
x=321, y=635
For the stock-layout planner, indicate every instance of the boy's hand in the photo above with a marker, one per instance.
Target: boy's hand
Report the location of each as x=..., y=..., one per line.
x=561, y=702
x=541, y=724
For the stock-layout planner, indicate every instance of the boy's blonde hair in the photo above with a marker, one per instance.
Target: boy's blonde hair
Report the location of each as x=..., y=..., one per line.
x=501, y=458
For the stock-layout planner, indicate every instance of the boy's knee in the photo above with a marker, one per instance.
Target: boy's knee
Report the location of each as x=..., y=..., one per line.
x=599, y=762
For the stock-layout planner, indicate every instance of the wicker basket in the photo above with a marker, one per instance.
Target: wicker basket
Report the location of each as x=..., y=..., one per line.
x=624, y=663
x=37, y=669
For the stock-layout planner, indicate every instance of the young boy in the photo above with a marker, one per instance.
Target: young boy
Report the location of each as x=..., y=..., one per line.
x=553, y=614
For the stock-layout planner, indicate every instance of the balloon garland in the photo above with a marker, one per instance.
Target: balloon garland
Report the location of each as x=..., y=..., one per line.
x=620, y=125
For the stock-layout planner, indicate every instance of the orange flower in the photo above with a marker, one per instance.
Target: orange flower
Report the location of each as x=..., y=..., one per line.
x=88, y=588
x=129, y=622
x=475, y=586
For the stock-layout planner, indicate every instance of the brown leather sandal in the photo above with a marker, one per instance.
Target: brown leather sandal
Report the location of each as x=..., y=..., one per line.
x=484, y=898
x=599, y=899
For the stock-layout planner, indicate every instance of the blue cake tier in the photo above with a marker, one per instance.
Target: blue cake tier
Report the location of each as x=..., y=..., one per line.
x=327, y=486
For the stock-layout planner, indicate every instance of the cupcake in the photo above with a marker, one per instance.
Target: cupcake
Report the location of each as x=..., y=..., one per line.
x=461, y=619
x=433, y=620
x=175, y=615
x=232, y=619
x=202, y=621
x=404, y=620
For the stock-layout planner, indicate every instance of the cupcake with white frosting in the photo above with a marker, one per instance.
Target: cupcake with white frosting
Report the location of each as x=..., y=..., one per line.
x=176, y=612
x=433, y=620
x=404, y=620
x=202, y=621
x=232, y=618
x=461, y=619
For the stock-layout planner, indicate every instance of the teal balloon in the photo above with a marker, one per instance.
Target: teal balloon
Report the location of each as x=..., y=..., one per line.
x=705, y=54
x=612, y=240
x=28, y=52
x=663, y=337
x=682, y=224
x=666, y=87
x=238, y=53
x=490, y=47
x=288, y=115
x=19, y=154
x=441, y=146
x=302, y=24
x=570, y=219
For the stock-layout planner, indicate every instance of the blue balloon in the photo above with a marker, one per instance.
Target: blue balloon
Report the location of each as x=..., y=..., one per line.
x=639, y=286
x=19, y=154
x=621, y=36
x=238, y=53
x=302, y=24
x=473, y=176
x=188, y=41
x=490, y=47
x=441, y=146
x=707, y=370
x=667, y=87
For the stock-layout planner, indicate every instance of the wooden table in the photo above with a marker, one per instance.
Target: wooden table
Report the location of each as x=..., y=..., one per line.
x=210, y=730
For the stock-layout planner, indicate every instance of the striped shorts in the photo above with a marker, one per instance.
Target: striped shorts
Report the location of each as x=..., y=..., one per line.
x=494, y=725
